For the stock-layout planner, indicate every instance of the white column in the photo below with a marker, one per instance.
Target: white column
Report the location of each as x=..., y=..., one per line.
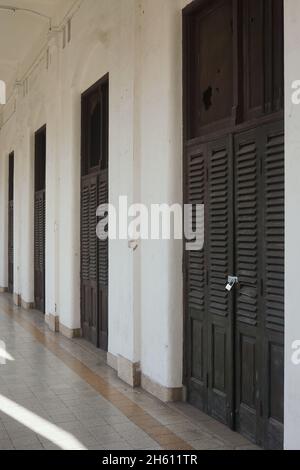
x=69, y=215
x=26, y=153
x=161, y=182
x=54, y=128
x=18, y=218
x=292, y=241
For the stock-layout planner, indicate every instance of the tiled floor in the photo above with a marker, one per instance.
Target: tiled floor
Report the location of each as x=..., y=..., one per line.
x=57, y=393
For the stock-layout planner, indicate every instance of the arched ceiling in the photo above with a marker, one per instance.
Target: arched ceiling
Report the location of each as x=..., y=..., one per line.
x=21, y=30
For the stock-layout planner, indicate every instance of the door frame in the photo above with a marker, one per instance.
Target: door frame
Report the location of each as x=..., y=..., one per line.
x=41, y=130
x=101, y=340
x=11, y=192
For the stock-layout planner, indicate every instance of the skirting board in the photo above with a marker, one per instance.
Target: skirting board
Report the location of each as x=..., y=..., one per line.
x=17, y=300
x=52, y=322
x=127, y=371
x=161, y=392
x=112, y=361
x=27, y=305
x=68, y=332
x=131, y=374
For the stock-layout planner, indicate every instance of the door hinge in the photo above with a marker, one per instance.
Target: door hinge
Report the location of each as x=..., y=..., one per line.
x=261, y=409
x=207, y=379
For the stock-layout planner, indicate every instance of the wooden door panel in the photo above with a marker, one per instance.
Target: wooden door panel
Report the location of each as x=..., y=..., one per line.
x=11, y=247
x=89, y=284
x=94, y=191
x=248, y=268
x=195, y=286
x=211, y=69
x=103, y=327
x=247, y=385
x=39, y=249
x=259, y=170
x=195, y=272
x=273, y=280
x=218, y=406
x=40, y=219
x=219, y=255
x=103, y=267
x=11, y=222
x=253, y=52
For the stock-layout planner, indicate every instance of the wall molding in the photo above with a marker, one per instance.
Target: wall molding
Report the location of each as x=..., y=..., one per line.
x=69, y=332
x=164, y=394
x=129, y=372
x=27, y=305
x=52, y=321
x=17, y=299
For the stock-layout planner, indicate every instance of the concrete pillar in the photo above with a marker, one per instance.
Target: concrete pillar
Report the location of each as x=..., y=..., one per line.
x=54, y=129
x=26, y=222
x=69, y=217
x=292, y=229
x=18, y=218
x=124, y=180
x=161, y=182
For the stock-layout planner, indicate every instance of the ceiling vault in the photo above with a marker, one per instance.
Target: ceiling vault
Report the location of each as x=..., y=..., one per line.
x=14, y=10
x=24, y=26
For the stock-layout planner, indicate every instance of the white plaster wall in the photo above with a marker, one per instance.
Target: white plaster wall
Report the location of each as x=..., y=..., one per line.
x=161, y=162
x=292, y=262
x=6, y=146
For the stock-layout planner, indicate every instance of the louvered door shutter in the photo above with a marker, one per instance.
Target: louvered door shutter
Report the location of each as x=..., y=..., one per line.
x=39, y=249
x=259, y=322
x=92, y=230
x=85, y=255
x=85, y=198
x=93, y=262
x=10, y=246
x=103, y=268
x=89, y=262
x=219, y=247
x=273, y=285
x=248, y=233
x=196, y=337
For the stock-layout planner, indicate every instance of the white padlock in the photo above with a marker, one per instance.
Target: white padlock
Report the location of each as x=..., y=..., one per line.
x=232, y=280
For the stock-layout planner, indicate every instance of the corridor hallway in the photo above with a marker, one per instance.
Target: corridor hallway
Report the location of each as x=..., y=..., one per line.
x=57, y=393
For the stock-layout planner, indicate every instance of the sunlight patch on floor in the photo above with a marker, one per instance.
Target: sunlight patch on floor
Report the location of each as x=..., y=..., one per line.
x=41, y=426
x=4, y=355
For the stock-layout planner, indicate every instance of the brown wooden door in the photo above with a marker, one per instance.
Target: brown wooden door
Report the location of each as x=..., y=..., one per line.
x=40, y=219
x=94, y=191
x=11, y=224
x=89, y=275
x=234, y=165
x=39, y=250
x=103, y=267
x=259, y=263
